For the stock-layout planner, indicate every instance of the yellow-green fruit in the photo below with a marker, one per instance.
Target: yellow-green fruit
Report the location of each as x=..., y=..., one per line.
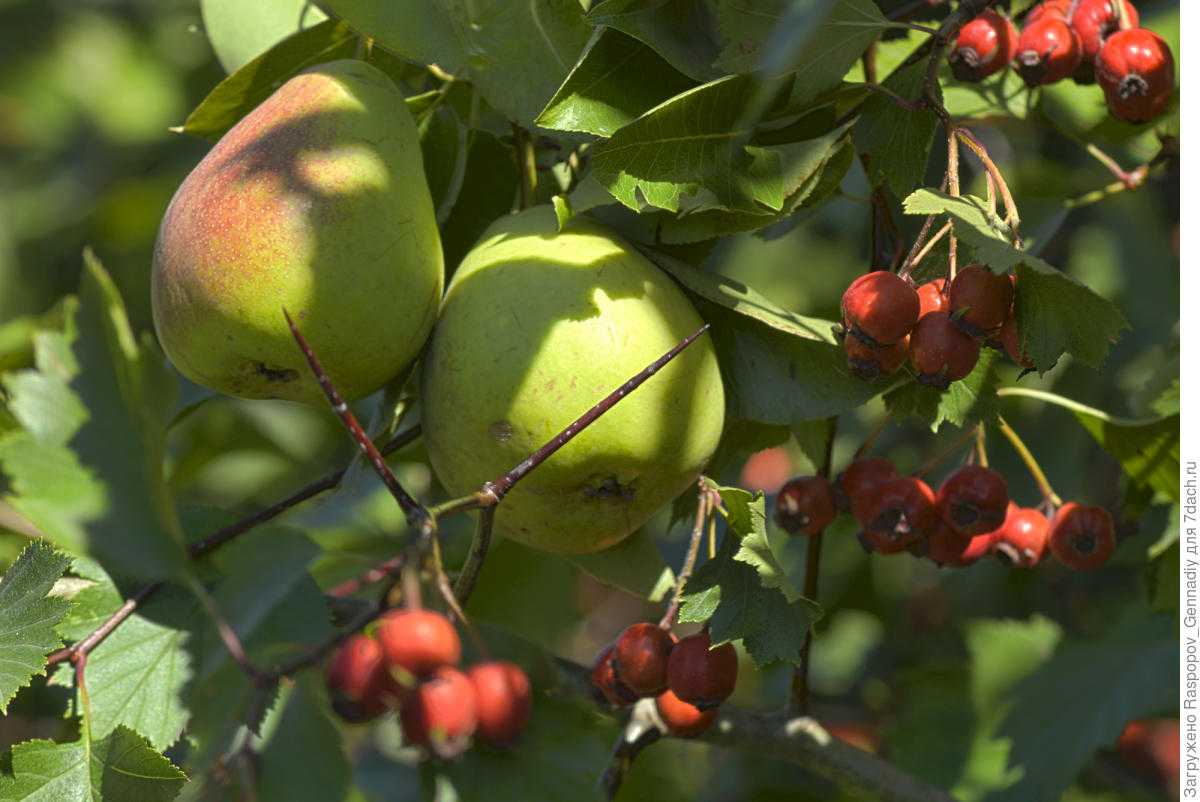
x=315, y=202
x=536, y=327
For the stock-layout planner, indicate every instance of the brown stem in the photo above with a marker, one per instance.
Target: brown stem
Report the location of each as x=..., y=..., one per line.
x=526, y=156
x=919, y=242
x=1011, y=216
x=955, y=191
x=703, y=510
x=317, y=653
x=1035, y=470
x=869, y=442
x=385, y=570
x=84, y=647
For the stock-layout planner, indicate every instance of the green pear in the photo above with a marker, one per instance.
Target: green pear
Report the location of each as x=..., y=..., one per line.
x=537, y=326
x=315, y=202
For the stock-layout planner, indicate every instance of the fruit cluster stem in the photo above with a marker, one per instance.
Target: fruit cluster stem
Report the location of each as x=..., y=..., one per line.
x=704, y=508
x=1030, y=461
x=955, y=191
x=1011, y=216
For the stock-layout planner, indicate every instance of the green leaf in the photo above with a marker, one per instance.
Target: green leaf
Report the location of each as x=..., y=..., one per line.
x=1002, y=95
x=691, y=145
x=739, y=439
x=634, y=565
x=1055, y=313
x=748, y=520
x=120, y=768
x=681, y=31
x=492, y=176
x=41, y=399
x=444, y=154
x=969, y=400
x=301, y=733
x=616, y=80
x=255, y=81
x=896, y=140
x=516, y=54
x=239, y=31
x=27, y=633
x=1163, y=576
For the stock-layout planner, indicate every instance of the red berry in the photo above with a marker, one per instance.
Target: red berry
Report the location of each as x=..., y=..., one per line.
x=358, y=679
x=1010, y=338
x=980, y=300
x=766, y=470
x=682, y=719
x=1022, y=539
x=947, y=547
x=1095, y=20
x=700, y=675
x=805, y=505
x=939, y=352
x=503, y=701
x=901, y=512
x=1151, y=748
x=605, y=681
x=1056, y=8
x=418, y=641
x=1082, y=537
x=1136, y=70
x=880, y=308
x=973, y=500
x=860, y=479
x=870, y=362
x=1048, y=51
x=440, y=713
x=640, y=658
x=984, y=46
x=933, y=297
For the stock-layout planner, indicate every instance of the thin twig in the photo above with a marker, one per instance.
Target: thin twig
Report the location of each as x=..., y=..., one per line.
x=703, y=510
x=956, y=445
x=1031, y=463
x=1011, y=216
x=921, y=254
x=386, y=569
x=464, y=584
x=955, y=191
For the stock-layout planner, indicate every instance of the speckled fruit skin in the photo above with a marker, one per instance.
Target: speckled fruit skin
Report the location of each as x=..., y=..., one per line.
x=682, y=719
x=933, y=296
x=418, y=641
x=503, y=701
x=315, y=202
x=880, y=308
x=940, y=352
x=700, y=675
x=1136, y=70
x=984, y=46
x=980, y=300
x=640, y=658
x=1082, y=537
x=537, y=326
x=1047, y=52
x=1096, y=20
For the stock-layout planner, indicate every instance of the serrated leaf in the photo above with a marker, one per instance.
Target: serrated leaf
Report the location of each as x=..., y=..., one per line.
x=515, y=54
x=239, y=31
x=897, y=140
x=253, y=82
x=30, y=615
x=120, y=768
x=301, y=733
x=967, y=401
x=691, y=148
x=681, y=31
x=615, y=81
x=748, y=520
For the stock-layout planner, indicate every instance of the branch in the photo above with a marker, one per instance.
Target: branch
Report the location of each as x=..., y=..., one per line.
x=704, y=507
x=480, y=543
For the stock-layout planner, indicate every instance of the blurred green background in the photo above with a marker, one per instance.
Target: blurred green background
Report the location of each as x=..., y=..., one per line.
x=88, y=91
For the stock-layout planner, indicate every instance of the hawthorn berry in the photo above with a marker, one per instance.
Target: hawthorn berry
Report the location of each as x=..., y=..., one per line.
x=1010, y=338
x=1054, y=8
x=606, y=682
x=684, y=720
x=1047, y=52
x=858, y=482
x=1021, y=540
x=940, y=352
x=973, y=500
x=1082, y=537
x=1136, y=70
x=640, y=658
x=805, y=505
x=1095, y=20
x=358, y=679
x=980, y=300
x=933, y=296
x=440, y=713
x=900, y=512
x=984, y=46
x=880, y=308
x=1151, y=748
x=503, y=701
x=701, y=675
x=418, y=642
x=948, y=548
x=870, y=362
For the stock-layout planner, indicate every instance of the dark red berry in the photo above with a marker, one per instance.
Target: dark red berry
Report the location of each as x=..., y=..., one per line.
x=1048, y=51
x=682, y=719
x=1082, y=537
x=503, y=701
x=1054, y=8
x=1010, y=338
x=358, y=679
x=640, y=658
x=805, y=505
x=880, y=308
x=440, y=713
x=948, y=548
x=984, y=46
x=869, y=362
x=973, y=500
x=1136, y=70
x=1022, y=538
x=1095, y=20
x=700, y=675
x=606, y=683
x=417, y=642
x=858, y=482
x=901, y=511
x=939, y=352
x=980, y=300
x=933, y=297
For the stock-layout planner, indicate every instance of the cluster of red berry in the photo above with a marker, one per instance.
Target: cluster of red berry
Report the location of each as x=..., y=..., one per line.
x=969, y=517
x=937, y=327
x=409, y=665
x=688, y=679
x=1084, y=39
